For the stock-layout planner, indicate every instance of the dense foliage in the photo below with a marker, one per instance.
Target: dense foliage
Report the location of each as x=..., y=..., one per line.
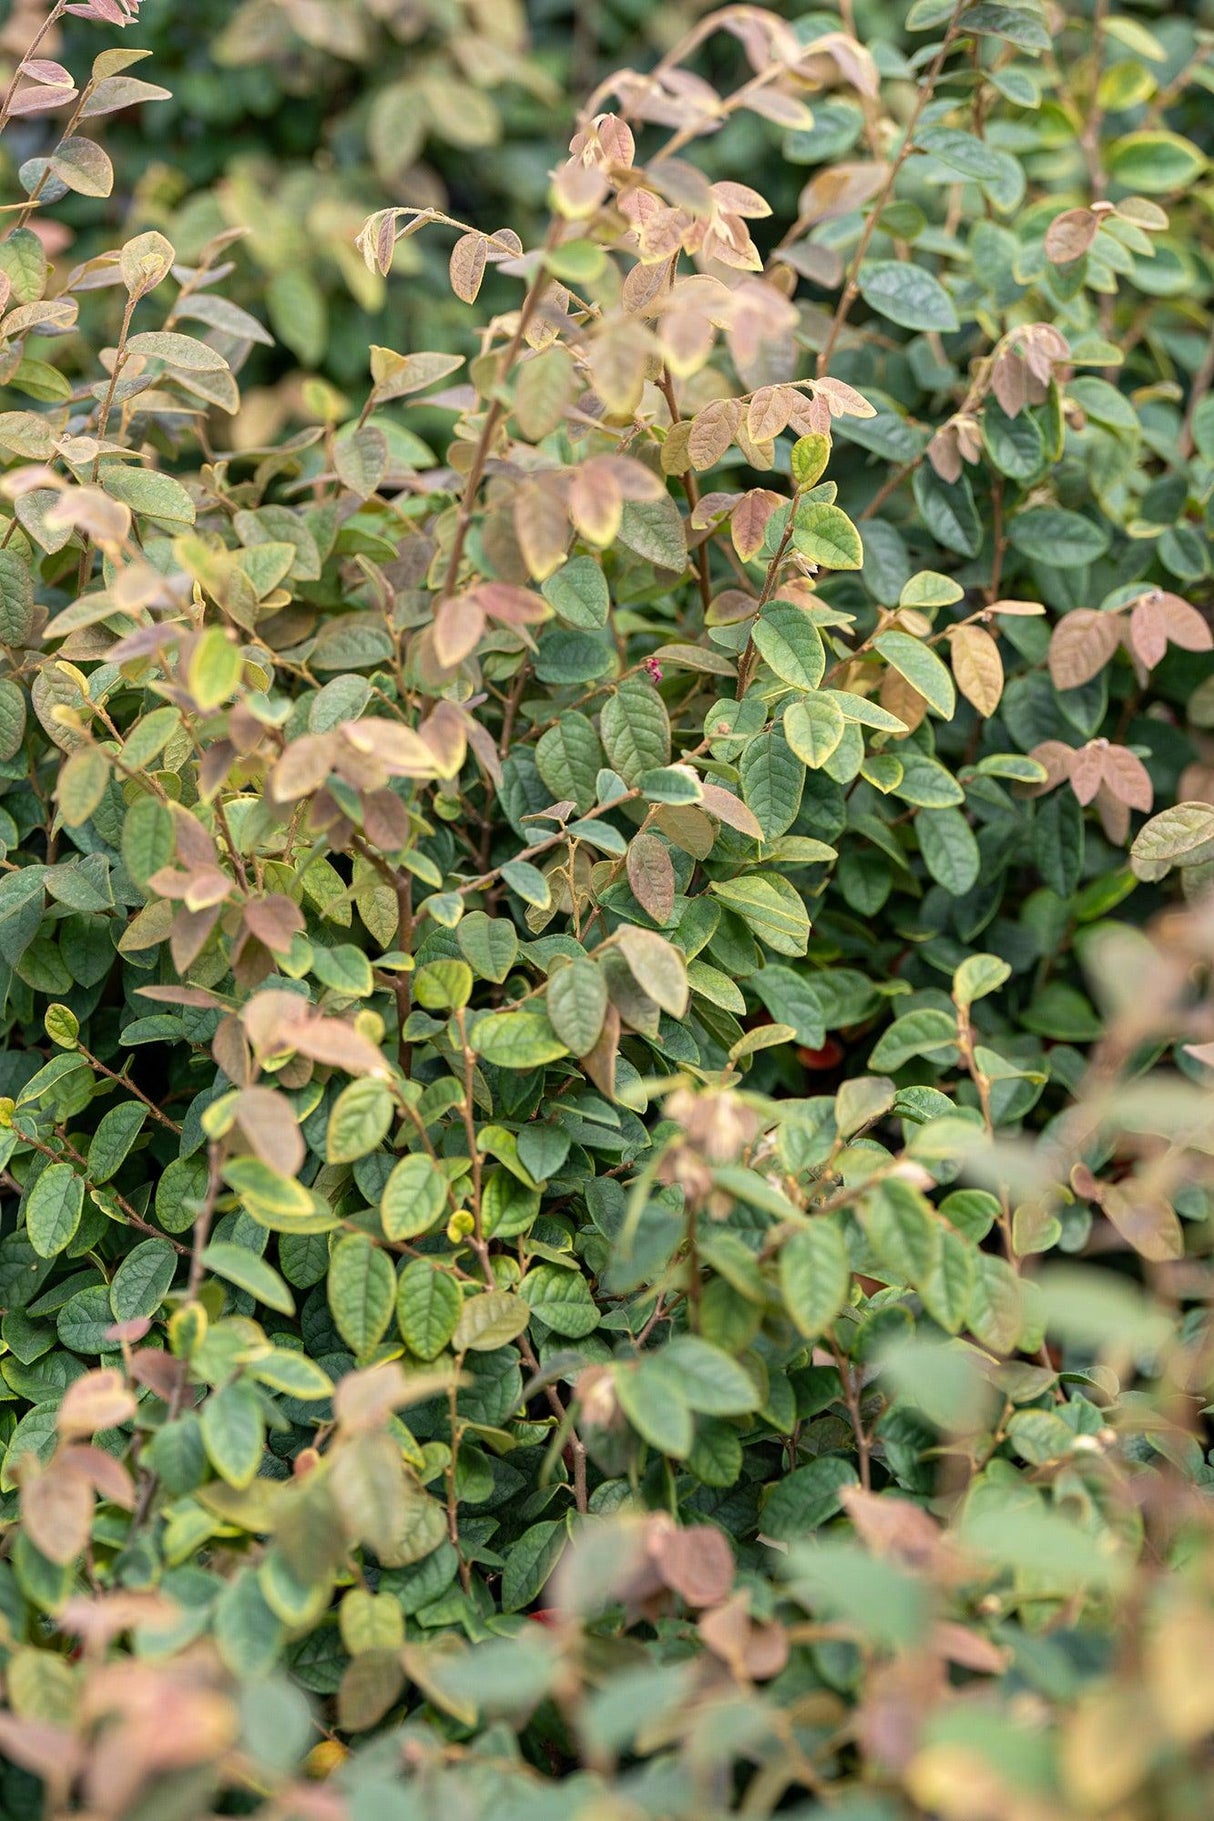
x=606, y=1101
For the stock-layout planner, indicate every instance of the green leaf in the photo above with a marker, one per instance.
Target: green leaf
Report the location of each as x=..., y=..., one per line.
x=569, y=757
x=825, y=535
x=414, y=1197
x=53, y=1208
x=977, y=976
x=578, y=594
x=802, y=1501
x=653, y=1401
x=1057, y=537
x=143, y=1279
x=907, y=295
x=815, y=1275
x=239, y=1266
x=562, y=1299
x=635, y=729
x=16, y=598
x=948, y=510
x=708, y=1378
x=949, y=848
x=233, y=1432
x=949, y=1282
x=111, y=1143
x=813, y=728
x=770, y=906
x=1155, y=163
x=791, y=644
x=923, y=670
x=531, y=1563
x=490, y=1320
x=488, y=944
x=577, y=1004
x=361, y=1289
x=919, y=1033
x=82, y=785
x=360, y=1120
x=428, y=1304
x=773, y=778
x=517, y=1040
x=658, y=967
x=898, y=1221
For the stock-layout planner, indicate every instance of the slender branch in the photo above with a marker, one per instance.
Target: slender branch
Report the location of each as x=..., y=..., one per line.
x=851, y=288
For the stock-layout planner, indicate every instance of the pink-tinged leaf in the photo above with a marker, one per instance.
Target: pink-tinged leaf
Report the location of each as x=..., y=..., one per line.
x=1148, y=631
x=1081, y=645
x=732, y=811
x=1087, y=770
x=458, y=627
x=1128, y=778
x=39, y=101
x=843, y=400
x=1186, y=626
x=1069, y=235
x=469, y=257
x=1057, y=758
x=749, y=521
x=275, y=920
x=651, y=876
x=712, y=431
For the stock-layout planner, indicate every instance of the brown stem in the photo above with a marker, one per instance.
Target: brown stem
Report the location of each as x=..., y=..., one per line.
x=52, y=19
x=202, y=1232
x=494, y=414
x=851, y=289
x=125, y=1081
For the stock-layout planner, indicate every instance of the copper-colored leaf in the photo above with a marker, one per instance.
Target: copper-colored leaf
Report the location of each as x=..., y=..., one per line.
x=651, y=875
x=1145, y=1221
x=57, y=1510
x=1081, y=645
x=1186, y=626
x=99, y=1400
x=458, y=626
x=749, y=521
x=712, y=431
x=1070, y=235
x=269, y=1123
x=1087, y=770
x=469, y=256
x=275, y=920
x=731, y=810
x=978, y=668
x=695, y=1562
x=1128, y=778
x=1148, y=630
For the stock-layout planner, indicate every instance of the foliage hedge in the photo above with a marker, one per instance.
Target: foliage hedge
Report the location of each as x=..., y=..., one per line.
x=606, y=1115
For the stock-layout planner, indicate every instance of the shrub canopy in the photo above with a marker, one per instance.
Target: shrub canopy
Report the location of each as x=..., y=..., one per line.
x=605, y=1114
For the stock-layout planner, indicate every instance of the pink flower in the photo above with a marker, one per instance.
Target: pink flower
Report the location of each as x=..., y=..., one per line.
x=654, y=669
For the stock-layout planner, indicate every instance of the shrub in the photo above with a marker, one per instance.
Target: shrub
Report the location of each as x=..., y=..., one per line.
x=570, y=995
